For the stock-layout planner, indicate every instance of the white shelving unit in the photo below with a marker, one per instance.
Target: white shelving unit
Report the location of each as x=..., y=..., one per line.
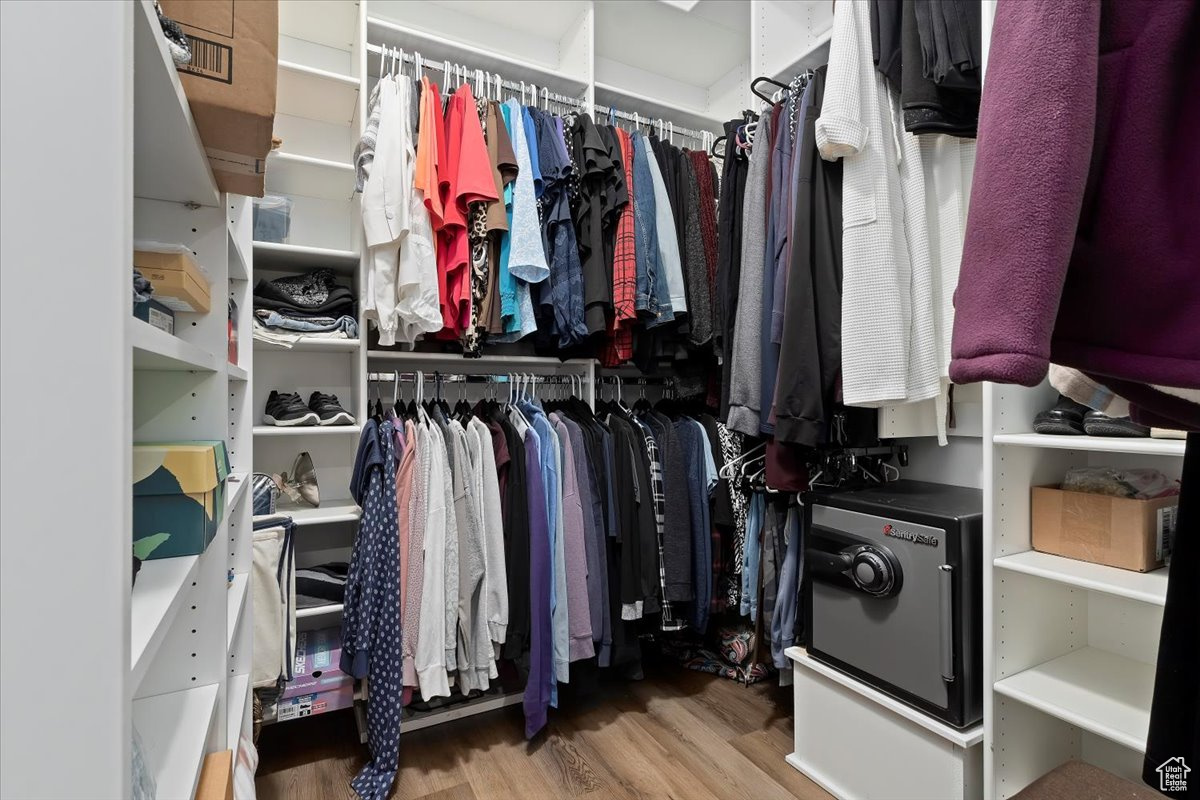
x=1145, y=587
x=319, y=611
x=1094, y=444
x=307, y=430
x=312, y=345
x=271, y=255
x=1095, y=690
x=157, y=651
x=181, y=721
x=1069, y=646
x=326, y=514
x=157, y=596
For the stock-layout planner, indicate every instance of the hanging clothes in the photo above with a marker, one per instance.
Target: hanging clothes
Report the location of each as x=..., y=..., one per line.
x=371, y=614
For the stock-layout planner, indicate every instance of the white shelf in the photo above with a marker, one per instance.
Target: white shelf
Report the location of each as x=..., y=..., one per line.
x=305, y=91
x=158, y=594
x=236, y=597
x=158, y=350
x=289, y=173
x=237, y=373
x=437, y=47
x=1100, y=692
x=1096, y=444
x=310, y=345
x=816, y=55
x=239, y=267
x=169, y=159
x=307, y=430
x=655, y=108
x=963, y=738
x=174, y=729
x=319, y=611
x=272, y=255
x=236, y=704
x=235, y=488
x=328, y=514
x=1145, y=587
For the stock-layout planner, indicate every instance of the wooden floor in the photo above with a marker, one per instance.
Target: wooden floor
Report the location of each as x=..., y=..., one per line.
x=676, y=734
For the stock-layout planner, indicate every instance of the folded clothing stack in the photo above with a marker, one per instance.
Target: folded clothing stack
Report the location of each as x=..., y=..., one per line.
x=321, y=585
x=311, y=305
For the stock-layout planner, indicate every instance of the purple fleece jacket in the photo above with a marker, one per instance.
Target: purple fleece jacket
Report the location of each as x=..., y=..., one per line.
x=1083, y=239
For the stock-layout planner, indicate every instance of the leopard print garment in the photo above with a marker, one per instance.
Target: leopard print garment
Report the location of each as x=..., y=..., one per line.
x=472, y=338
x=732, y=444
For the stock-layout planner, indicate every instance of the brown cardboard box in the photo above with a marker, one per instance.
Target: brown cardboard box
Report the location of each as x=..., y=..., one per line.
x=216, y=777
x=230, y=84
x=1117, y=531
x=178, y=282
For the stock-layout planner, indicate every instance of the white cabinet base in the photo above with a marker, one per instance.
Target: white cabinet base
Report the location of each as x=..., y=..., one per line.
x=857, y=742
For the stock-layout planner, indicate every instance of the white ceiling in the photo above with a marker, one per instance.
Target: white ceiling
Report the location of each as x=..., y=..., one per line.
x=698, y=47
x=547, y=20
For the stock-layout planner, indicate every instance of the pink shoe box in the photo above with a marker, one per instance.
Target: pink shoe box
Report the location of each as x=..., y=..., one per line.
x=317, y=664
x=310, y=705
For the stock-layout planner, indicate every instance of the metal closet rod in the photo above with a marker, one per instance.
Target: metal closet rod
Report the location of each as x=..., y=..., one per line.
x=457, y=377
x=690, y=133
x=448, y=66
x=642, y=380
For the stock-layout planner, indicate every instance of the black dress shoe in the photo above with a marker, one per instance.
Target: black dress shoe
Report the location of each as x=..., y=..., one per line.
x=1097, y=423
x=1065, y=418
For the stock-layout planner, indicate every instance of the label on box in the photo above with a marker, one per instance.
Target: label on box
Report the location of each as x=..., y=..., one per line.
x=1165, y=534
x=238, y=164
x=300, y=707
x=211, y=60
x=161, y=320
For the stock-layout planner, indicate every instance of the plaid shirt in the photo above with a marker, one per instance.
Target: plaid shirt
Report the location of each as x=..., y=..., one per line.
x=659, y=497
x=619, y=339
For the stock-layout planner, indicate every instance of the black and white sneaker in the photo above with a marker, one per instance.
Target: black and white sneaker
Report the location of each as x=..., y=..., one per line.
x=328, y=410
x=287, y=409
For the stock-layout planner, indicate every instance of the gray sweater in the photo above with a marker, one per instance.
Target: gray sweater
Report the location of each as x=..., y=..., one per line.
x=745, y=375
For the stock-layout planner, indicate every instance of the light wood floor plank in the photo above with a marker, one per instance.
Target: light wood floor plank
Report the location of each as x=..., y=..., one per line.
x=677, y=734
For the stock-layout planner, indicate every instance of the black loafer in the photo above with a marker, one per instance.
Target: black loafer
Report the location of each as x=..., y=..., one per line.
x=1096, y=423
x=1066, y=418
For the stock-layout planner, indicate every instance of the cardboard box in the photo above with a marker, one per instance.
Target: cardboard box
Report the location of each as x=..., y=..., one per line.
x=316, y=665
x=178, y=282
x=230, y=84
x=216, y=777
x=156, y=314
x=179, y=491
x=1115, y=531
x=312, y=704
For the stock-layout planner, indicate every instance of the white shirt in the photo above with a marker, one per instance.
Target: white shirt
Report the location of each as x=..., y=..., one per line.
x=889, y=343
x=402, y=290
x=495, y=579
x=431, y=641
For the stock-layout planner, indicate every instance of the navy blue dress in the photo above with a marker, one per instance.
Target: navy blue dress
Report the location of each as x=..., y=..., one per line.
x=371, y=617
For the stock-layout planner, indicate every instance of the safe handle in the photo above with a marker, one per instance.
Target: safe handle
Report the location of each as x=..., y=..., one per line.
x=946, y=617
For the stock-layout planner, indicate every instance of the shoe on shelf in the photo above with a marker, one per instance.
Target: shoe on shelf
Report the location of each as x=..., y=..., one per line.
x=328, y=410
x=1065, y=418
x=1097, y=423
x=286, y=409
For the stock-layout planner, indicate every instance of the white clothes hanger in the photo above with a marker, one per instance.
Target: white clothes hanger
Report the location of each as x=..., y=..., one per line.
x=727, y=471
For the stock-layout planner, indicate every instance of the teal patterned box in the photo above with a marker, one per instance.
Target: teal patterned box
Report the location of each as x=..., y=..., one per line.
x=178, y=497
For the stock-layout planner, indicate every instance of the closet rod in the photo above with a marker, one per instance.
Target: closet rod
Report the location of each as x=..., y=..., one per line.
x=447, y=66
x=690, y=133
x=447, y=377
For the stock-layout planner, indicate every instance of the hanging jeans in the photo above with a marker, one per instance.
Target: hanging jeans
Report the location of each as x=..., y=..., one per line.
x=1175, y=712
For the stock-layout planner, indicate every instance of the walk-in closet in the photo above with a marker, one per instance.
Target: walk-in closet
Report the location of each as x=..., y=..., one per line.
x=686, y=399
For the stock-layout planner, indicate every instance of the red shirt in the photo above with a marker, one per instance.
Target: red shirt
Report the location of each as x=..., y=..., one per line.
x=465, y=177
